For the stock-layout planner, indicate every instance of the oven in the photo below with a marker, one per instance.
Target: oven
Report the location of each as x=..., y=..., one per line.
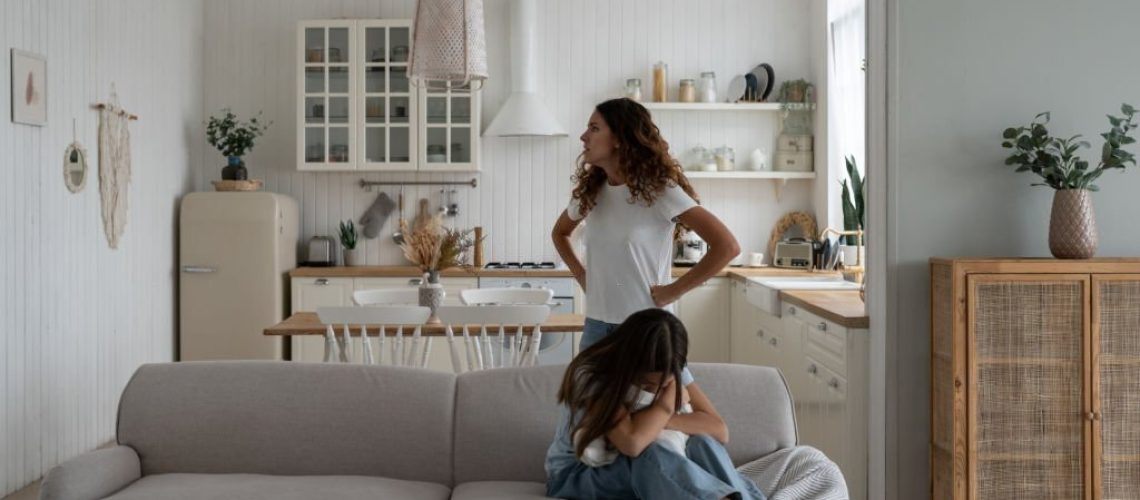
x=554, y=348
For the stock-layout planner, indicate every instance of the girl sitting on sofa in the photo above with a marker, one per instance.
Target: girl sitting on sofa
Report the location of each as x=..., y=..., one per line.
x=600, y=393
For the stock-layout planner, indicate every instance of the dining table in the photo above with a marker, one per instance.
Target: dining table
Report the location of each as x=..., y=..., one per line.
x=307, y=323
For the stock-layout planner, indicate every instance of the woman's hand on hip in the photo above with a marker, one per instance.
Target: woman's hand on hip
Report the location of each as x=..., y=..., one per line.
x=664, y=295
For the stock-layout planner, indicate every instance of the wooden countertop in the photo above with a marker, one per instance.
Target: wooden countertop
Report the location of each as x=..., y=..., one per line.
x=842, y=307
x=307, y=323
x=412, y=272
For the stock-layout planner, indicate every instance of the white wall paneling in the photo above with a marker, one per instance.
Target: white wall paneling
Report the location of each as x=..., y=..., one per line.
x=77, y=318
x=586, y=50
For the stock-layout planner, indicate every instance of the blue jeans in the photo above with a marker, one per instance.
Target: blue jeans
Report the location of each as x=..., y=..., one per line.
x=706, y=473
x=595, y=330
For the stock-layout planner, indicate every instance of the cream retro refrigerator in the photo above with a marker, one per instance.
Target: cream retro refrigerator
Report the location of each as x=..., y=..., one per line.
x=235, y=251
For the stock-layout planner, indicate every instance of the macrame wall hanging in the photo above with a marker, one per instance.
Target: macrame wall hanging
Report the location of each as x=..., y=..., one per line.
x=114, y=166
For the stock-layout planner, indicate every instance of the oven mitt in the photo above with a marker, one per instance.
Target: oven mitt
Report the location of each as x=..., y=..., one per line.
x=374, y=217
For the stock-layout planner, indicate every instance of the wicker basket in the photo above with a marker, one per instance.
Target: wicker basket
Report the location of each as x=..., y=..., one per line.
x=250, y=185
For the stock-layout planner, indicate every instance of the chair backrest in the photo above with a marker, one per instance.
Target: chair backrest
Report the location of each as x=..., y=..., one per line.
x=386, y=296
x=340, y=349
x=506, y=296
x=479, y=350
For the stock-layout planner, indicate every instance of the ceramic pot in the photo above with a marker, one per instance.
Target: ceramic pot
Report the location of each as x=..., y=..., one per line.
x=353, y=257
x=235, y=170
x=1072, y=225
x=431, y=295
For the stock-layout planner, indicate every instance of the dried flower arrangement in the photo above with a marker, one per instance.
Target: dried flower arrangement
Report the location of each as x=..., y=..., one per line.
x=433, y=247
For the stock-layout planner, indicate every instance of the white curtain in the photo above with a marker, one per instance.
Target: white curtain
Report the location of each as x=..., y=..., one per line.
x=847, y=102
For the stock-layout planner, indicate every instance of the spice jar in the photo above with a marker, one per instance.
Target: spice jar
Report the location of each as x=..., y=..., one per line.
x=725, y=159
x=688, y=92
x=660, y=82
x=633, y=89
x=707, y=90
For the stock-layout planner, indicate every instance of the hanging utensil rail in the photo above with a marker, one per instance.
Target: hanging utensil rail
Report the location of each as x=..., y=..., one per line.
x=367, y=185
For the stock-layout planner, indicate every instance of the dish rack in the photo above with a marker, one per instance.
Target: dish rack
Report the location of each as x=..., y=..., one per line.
x=856, y=271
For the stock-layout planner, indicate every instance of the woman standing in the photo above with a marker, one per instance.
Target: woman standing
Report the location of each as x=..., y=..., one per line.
x=632, y=193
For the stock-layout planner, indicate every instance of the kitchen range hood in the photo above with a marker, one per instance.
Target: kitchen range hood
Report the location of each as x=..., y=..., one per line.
x=523, y=113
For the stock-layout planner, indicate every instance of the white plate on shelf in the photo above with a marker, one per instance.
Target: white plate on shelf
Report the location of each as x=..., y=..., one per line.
x=736, y=89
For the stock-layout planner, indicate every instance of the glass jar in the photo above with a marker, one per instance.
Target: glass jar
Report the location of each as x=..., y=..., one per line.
x=633, y=89
x=688, y=91
x=660, y=82
x=707, y=89
x=436, y=153
x=725, y=159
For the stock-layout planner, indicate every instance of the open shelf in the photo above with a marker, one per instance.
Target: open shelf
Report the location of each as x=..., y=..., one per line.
x=724, y=106
x=781, y=178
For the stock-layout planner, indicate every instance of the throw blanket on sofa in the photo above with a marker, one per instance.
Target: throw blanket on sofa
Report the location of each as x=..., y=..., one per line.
x=797, y=473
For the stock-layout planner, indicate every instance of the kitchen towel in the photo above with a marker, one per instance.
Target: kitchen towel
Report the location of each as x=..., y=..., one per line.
x=374, y=217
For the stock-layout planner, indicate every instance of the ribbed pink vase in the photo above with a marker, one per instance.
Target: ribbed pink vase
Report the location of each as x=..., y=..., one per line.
x=1072, y=225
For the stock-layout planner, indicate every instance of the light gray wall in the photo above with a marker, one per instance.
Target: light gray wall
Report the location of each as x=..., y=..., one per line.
x=961, y=72
x=77, y=318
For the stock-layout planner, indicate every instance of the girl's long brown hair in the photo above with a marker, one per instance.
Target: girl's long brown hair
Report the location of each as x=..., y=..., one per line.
x=643, y=157
x=598, y=381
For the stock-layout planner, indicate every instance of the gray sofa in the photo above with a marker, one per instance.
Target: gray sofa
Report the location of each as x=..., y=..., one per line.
x=280, y=430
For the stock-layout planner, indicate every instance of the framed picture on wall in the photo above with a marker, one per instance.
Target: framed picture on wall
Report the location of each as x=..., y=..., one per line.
x=29, y=88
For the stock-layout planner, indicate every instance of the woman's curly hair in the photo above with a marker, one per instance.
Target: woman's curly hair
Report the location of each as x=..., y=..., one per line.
x=643, y=157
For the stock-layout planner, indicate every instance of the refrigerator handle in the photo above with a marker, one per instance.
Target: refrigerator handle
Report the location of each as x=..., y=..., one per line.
x=197, y=269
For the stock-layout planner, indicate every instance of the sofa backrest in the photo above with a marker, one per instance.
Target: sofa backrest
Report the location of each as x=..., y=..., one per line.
x=290, y=418
x=505, y=418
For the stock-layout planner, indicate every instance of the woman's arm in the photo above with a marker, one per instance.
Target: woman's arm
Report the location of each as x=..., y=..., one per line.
x=561, y=236
x=722, y=249
x=634, y=432
x=703, y=420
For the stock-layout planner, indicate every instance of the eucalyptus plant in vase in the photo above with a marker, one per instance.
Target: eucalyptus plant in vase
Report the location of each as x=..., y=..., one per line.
x=234, y=138
x=1072, y=224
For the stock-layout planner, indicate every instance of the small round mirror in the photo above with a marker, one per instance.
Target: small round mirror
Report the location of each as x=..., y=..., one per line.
x=75, y=167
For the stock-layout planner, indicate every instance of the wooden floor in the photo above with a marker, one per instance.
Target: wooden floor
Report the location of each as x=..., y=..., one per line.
x=30, y=492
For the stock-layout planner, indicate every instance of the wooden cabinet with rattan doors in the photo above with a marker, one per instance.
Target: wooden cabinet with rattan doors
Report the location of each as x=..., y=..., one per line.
x=1035, y=379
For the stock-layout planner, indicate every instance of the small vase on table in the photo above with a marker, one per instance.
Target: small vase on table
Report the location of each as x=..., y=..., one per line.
x=431, y=295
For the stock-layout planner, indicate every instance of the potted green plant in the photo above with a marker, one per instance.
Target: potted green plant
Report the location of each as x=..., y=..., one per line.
x=234, y=138
x=794, y=92
x=1072, y=224
x=348, y=240
x=851, y=199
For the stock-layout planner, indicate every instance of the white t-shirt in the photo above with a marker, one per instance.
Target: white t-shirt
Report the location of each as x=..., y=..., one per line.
x=629, y=247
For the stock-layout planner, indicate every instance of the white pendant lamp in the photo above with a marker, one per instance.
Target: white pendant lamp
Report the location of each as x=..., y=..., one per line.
x=449, y=46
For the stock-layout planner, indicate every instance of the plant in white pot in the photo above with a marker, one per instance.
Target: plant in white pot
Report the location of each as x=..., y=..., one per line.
x=853, y=213
x=1072, y=224
x=348, y=240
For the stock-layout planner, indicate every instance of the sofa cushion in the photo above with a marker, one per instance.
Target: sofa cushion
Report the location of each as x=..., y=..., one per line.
x=755, y=404
x=504, y=422
x=290, y=419
x=257, y=486
x=500, y=490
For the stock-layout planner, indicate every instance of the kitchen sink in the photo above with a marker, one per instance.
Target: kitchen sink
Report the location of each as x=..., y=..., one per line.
x=765, y=292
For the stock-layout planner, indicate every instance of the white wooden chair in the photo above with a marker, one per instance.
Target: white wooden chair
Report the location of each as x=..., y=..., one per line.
x=506, y=296
x=387, y=297
x=400, y=315
x=479, y=350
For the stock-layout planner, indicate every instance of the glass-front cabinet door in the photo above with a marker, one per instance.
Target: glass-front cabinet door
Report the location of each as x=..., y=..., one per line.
x=388, y=107
x=449, y=128
x=327, y=132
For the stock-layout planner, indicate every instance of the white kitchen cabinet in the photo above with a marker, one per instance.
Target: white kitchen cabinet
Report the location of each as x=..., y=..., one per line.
x=757, y=336
x=358, y=111
x=829, y=382
x=705, y=312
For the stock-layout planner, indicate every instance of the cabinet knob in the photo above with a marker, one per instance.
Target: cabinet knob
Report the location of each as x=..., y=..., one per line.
x=416, y=282
x=813, y=369
x=321, y=281
x=834, y=384
x=773, y=341
x=1089, y=416
x=760, y=333
x=792, y=310
x=822, y=326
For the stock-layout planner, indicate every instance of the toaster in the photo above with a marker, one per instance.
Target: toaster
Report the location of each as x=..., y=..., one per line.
x=321, y=253
x=793, y=254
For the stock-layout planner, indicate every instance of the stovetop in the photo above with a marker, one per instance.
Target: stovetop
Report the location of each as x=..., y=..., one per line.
x=519, y=266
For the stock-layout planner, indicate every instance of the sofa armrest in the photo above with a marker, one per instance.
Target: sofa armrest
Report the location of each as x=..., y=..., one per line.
x=92, y=475
x=799, y=472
